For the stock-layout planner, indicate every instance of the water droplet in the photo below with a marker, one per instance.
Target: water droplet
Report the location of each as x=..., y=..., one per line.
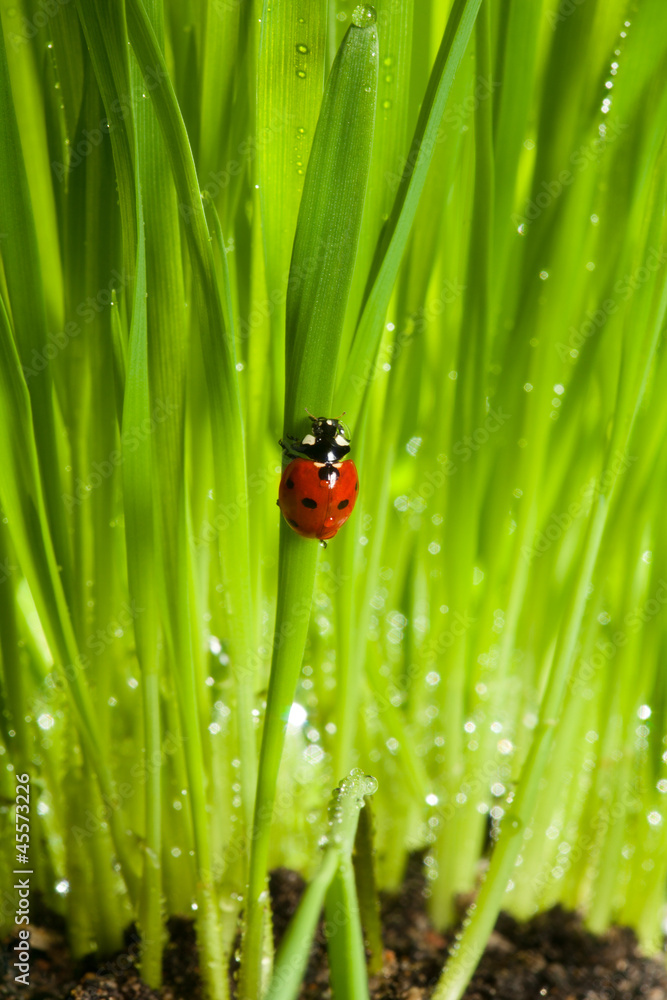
x=301, y=73
x=371, y=785
x=302, y=49
x=364, y=15
x=386, y=105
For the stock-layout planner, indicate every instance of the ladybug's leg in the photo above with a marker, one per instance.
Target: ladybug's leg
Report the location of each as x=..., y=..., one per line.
x=323, y=543
x=290, y=447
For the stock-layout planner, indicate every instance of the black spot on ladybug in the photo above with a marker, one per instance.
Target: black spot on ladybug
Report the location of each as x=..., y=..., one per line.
x=309, y=502
x=290, y=484
x=356, y=485
x=343, y=504
x=293, y=523
x=328, y=474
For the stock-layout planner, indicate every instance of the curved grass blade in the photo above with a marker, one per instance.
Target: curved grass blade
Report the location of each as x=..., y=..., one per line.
x=321, y=272
x=327, y=233
x=394, y=240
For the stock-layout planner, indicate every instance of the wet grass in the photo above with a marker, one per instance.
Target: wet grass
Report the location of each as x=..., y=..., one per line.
x=485, y=635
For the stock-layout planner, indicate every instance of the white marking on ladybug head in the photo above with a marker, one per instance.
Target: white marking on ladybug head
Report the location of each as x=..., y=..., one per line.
x=341, y=440
x=309, y=439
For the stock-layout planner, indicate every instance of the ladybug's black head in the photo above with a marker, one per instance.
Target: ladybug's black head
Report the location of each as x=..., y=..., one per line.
x=329, y=440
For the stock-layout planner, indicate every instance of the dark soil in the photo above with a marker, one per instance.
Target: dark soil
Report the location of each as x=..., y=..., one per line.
x=551, y=956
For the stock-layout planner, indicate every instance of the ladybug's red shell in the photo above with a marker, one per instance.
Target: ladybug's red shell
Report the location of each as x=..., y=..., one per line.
x=316, y=498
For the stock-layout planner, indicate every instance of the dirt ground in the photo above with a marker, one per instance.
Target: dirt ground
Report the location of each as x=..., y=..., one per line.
x=551, y=956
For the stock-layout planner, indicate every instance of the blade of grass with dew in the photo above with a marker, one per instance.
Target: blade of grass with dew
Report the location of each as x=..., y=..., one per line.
x=81, y=375
x=457, y=871
x=27, y=308
x=367, y=894
x=292, y=957
x=104, y=35
x=32, y=108
x=219, y=41
x=290, y=78
x=395, y=236
x=391, y=140
x=510, y=125
x=69, y=60
x=322, y=264
x=139, y=531
x=389, y=144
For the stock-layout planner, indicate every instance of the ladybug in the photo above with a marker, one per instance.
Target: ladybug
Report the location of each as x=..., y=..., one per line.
x=318, y=490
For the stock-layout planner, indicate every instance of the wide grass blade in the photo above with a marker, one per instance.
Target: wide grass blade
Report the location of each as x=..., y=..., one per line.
x=393, y=241
x=320, y=276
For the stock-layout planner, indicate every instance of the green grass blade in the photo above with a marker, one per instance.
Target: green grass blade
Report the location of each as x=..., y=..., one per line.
x=142, y=575
x=325, y=245
x=320, y=276
x=394, y=239
x=290, y=79
x=364, y=870
x=292, y=957
x=345, y=939
x=27, y=308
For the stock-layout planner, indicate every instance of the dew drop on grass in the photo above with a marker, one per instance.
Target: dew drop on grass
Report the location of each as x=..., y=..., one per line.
x=301, y=73
x=371, y=785
x=302, y=49
x=364, y=15
x=386, y=105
